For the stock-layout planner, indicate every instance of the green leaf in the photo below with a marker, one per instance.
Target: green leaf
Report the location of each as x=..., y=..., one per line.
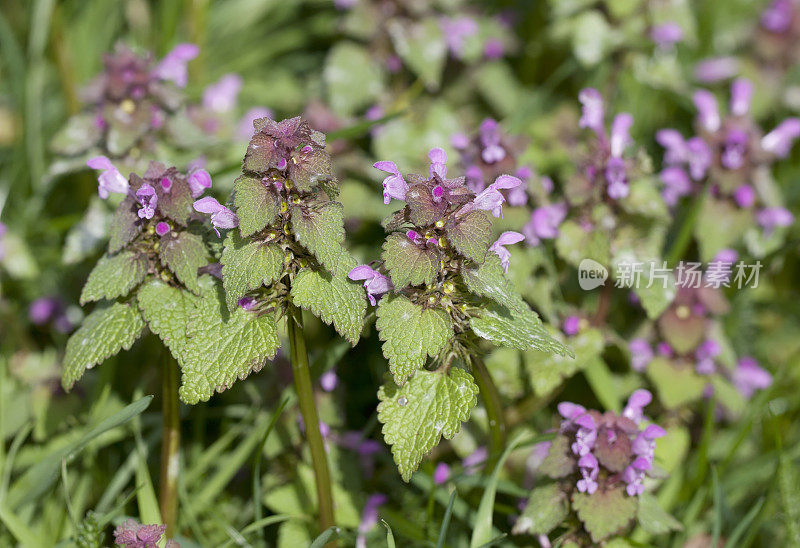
x=320, y=229
x=257, y=204
x=415, y=417
x=575, y=244
x=167, y=311
x=78, y=135
x=103, y=333
x=312, y=169
x=606, y=512
x=333, y=299
x=222, y=346
x=490, y=280
x=114, y=276
x=675, y=385
x=352, y=78
x=411, y=334
x=422, y=47
x=183, y=254
x=720, y=224
x=247, y=265
x=547, y=507
x=39, y=477
x=471, y=234
x=520, y=329
x=409, y=263
x=559, y=461
x=546, y=370
x=654, y=519
x=125, y=225
x=177, y=203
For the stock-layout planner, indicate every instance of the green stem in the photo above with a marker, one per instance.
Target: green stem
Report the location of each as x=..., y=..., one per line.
x=308, y=410
x=170, y=445
x=494, y=407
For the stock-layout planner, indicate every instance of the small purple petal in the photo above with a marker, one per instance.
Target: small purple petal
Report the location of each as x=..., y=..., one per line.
x=741, y=94
x=707, y=112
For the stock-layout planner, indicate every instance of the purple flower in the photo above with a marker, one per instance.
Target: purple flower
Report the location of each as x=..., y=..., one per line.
x=506, y=238
x=111, y=180
x=676, y=184
x=132, y=534
x=248, y=303
x=777, y=18
x=705, y=355
x=726, y=256
x=771, y=217
x=664, y=349
x=570, y=411
x=328, y=380
x=571, y=325
x=375, y=283
x=741, y=95
x=441, y=474
x=586, y=436
x=749, y=377
x=666, y=34
x=148, y=199
x=394, y=186
x=592, y=110
x=489, y=133
x=620, y=133
x=745, y=196
x=221, y=96
x=245, y=129
x=707, y=111
x=456, y=30
x=699, y=157
x=544, y=223
x=173, y=66
x=199, y=181
x=493, y=48
x=779, y=141
x=162, y=228
x=617, y=179
x=734, y=149
x=589, y=468
x=675, y=145
x=369, y=518
x=636, y=403
x=472, y=462
x=438, y=158
x=716, y=69
x=635, y=480
x=44, y=309
x=644, y=445
x=460, y=141
x=221, y=216
x=490, y=198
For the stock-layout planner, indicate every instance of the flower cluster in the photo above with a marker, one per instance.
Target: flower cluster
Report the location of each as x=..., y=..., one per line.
x=606, y=166
x=728, y=152
x=489, y=154
x=131, y=534
x=610, y=448
x=442, y=221
x=686, y=339
x=154, y=213
x=281, y=201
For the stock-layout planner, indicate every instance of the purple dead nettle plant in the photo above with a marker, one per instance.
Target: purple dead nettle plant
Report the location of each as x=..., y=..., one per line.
x=147, y=280
x=283, y=252
x=127, y=106
x=686, y=341
x=731, y=156
x=596, y=469
x=777, y=41
x=443, y=289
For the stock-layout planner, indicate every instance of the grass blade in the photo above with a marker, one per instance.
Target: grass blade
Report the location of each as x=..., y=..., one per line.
x=41, y=476
x=482, y=533
x=740, y=529
x=327, y=535
x=446, y=521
